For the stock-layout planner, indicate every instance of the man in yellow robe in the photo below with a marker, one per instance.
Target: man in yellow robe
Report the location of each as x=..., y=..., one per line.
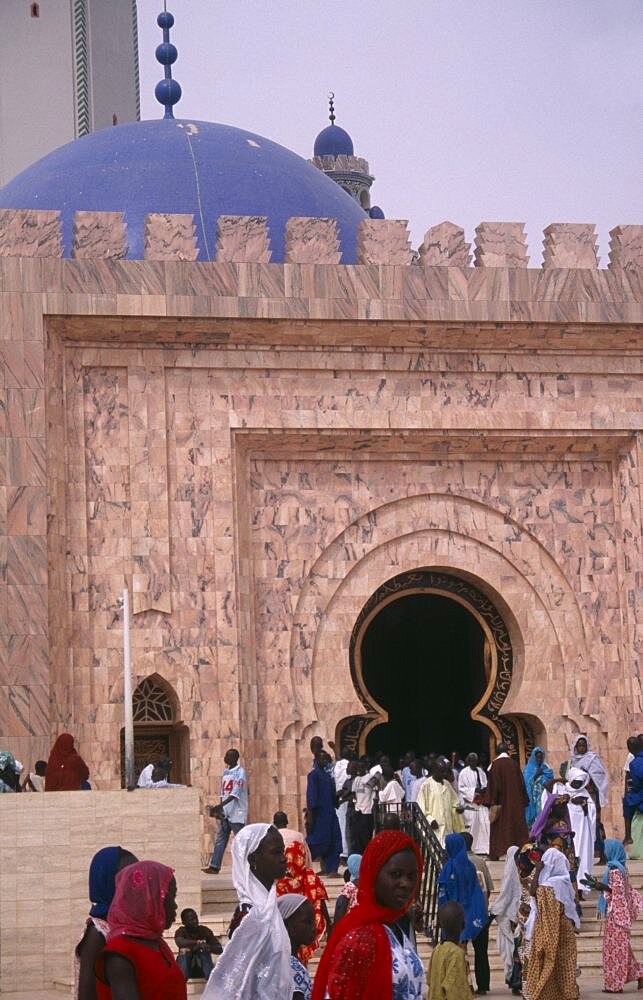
x=439, y=802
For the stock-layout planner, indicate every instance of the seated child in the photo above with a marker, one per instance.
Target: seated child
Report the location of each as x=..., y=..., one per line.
x=197, y=944
x=448, y=968
x=35, y=780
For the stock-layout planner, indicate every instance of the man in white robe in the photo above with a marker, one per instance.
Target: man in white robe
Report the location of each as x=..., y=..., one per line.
x=582, y=816
x=439, y=803
x=340, y=775
x=471, y=781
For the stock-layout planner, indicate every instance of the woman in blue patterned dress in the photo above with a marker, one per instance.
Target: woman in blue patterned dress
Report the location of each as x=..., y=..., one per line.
x=298, y=914
x=368, y=956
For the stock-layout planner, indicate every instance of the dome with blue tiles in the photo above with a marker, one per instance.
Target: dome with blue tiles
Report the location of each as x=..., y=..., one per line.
x=179, y=166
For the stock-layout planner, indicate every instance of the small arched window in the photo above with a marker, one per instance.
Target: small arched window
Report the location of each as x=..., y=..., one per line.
x=34, y=10
x=152, y=703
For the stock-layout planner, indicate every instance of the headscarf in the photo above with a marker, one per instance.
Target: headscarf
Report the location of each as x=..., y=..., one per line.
x=528, y=857
x=137, y=908
x=66, y=769
x=616, y=861
x=248, y=888
x=505, y=910
x=102, y=880
x=459, y=880
x=353, y=864
x=532, y=766
x=302, y=879
x=577, y=774
x=555, y=874
x=535, y=788
x=289, y=904
x=7, y=760
x=370, y=916
x=592, y=763
x=256, y=960
x=542, y=820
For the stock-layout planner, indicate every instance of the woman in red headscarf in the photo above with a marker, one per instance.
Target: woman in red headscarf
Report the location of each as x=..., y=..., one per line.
x=66, y=769
x=301, y=879
x=368, y=956
x=136, y=963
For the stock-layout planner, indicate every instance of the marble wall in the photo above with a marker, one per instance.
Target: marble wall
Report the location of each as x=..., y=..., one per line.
x=46, y=845
x=254, y=449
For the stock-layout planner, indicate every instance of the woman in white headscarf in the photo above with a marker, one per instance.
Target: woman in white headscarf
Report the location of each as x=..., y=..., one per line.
x=505, y=910
x=551, y=970
x=256, y=961
x=298, y=914
x=584, y=758
x=582, y=816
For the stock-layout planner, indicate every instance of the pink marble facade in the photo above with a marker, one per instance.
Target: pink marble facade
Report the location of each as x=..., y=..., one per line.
x=255, y=448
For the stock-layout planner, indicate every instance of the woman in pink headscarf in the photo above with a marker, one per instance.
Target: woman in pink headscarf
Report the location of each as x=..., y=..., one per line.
x=136, y=963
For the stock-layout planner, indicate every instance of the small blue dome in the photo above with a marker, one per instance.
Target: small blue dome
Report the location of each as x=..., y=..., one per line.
x=333, y=141
x=199, y=168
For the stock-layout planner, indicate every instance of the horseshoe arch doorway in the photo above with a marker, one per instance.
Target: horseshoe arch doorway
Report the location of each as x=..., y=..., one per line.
x=432, y=661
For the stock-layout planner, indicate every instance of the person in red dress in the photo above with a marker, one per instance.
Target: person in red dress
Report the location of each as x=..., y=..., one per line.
x=136, y=963
x=66, y=769
x=302, y=880
x=368, y=957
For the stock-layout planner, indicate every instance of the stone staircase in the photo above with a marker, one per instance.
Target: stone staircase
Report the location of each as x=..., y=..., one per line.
x=218, y=901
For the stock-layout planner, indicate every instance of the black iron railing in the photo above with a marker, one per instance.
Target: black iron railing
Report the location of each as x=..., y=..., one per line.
x=413, y=822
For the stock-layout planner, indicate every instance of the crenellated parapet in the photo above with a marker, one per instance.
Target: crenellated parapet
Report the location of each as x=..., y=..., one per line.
x=349, y=164
x=246, y=239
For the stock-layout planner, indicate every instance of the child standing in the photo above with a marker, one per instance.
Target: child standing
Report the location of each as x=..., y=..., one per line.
x=448, y=969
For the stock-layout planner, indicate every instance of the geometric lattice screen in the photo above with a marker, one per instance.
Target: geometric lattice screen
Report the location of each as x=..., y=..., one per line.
x=151, y=703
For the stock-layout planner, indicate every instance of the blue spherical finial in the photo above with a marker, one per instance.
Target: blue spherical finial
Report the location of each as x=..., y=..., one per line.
x=167, y=91
x=376, y=212
x=166, y=53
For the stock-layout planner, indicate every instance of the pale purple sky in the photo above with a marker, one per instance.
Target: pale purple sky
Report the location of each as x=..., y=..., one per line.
x=467, y=110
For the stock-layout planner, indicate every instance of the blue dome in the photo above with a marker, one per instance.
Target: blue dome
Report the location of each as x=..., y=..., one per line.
x=199, y=168
x=333, y=141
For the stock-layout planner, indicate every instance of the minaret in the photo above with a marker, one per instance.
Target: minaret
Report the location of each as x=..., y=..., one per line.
x=333, y=154
x=67, y=68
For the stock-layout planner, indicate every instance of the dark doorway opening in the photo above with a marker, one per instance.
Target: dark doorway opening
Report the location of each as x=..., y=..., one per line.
x=423, y=660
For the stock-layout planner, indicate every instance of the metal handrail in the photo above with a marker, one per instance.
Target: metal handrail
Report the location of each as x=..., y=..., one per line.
x=414, y=823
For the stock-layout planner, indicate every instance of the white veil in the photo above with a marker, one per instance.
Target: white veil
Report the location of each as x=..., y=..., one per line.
x=256, y=961
x=555, y=874
x=505, y=910
x=592, y=763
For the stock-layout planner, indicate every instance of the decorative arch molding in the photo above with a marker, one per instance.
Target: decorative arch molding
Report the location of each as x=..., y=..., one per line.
x=515, y=732
x=457, y=535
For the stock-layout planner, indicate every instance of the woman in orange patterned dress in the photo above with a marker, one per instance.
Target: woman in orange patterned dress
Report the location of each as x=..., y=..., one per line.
x=303, y=880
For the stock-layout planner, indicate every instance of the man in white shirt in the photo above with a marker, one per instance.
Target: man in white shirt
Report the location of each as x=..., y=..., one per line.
x=232, y=810
x=157, y=775
x=364, y=785
x=340, y=775
x=471, y=783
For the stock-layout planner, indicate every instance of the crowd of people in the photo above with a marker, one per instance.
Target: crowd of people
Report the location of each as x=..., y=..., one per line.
x=547, y=827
